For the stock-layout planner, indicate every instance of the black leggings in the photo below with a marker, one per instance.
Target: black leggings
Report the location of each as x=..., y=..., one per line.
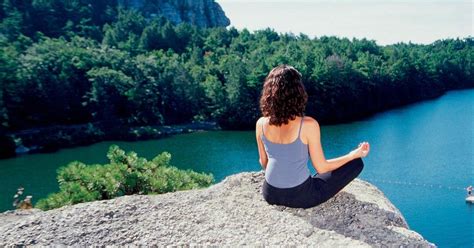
x=316, y=189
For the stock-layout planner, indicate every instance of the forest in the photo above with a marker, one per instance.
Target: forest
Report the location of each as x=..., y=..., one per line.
x=81, y=61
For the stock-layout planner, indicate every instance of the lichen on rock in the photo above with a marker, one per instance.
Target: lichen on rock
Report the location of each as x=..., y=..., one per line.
x=230, y=213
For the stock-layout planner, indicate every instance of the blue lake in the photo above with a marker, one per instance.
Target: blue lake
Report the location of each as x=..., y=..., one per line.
x=422, y=156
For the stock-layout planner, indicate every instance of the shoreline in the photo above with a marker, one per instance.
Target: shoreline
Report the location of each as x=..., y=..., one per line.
x=53, y=138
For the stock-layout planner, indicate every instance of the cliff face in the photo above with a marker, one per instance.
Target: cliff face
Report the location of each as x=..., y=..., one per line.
x=203, y=13
x=230, y=213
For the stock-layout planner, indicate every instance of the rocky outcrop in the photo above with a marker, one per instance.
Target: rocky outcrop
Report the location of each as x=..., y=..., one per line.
x=230, y=213
x=203, y=13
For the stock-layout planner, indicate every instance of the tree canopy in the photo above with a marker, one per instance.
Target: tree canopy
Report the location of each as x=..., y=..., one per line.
x=70, y=62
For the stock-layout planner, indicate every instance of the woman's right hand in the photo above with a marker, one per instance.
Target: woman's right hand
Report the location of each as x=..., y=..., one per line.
x=361, y=151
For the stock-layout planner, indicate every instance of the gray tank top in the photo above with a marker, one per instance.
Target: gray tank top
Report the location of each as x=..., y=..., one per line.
x=287, y=163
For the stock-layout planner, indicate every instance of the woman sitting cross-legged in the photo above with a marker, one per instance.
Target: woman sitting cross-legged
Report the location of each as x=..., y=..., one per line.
x=286, y=140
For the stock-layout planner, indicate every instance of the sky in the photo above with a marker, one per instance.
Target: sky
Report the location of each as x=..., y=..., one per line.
x=385, y=21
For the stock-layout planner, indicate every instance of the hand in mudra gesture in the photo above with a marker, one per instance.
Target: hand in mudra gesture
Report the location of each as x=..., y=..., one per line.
x=361, y=151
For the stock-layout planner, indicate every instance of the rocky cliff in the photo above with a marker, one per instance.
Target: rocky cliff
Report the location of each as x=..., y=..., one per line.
x=203, y=13
x=230, y=213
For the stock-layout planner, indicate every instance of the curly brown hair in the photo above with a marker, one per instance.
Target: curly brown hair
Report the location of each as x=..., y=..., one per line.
x=283, y=95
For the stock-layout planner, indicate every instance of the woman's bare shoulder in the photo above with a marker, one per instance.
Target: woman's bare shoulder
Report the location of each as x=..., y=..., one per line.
x=310, y=126
x=260, y=122
x=310, y=121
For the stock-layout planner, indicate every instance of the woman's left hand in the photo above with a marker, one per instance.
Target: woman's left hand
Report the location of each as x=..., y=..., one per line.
x=361, y=151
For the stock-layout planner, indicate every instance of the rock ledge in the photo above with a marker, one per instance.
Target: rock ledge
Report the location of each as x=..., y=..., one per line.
x=230, y=213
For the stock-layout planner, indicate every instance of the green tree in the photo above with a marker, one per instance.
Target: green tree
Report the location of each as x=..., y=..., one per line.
x=125, y=33
x=108, y=93
x=149, y=71
x=125, y=174
x=50, y=83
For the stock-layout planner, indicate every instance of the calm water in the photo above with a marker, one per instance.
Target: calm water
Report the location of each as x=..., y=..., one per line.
x=427, y=148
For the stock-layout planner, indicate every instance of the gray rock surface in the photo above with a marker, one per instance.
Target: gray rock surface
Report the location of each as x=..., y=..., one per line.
x=229, y=213
x=203, y=13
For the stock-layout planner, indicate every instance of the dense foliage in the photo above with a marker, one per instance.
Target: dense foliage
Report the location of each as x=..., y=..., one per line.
x=126, y=174
x=79, y=61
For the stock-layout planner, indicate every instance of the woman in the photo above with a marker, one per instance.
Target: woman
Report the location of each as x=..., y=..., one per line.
x=286, y=139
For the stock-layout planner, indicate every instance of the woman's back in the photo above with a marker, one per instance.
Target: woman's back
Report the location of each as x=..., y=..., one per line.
x=284, y=147
x=287, y=160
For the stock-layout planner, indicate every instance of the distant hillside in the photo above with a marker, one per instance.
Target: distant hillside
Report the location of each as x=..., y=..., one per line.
x=56, y=18
x=83, y=71
x=203, y=13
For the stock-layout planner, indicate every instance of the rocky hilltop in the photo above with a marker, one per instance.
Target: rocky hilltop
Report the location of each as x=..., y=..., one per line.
x=203, y=13
x=230, y=213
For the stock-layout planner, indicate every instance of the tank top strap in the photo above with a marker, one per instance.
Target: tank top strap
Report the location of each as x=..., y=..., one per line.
x=301, y=125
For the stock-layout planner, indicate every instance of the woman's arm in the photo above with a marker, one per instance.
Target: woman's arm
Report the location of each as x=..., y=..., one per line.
x=316, y=151
x=263, y=159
